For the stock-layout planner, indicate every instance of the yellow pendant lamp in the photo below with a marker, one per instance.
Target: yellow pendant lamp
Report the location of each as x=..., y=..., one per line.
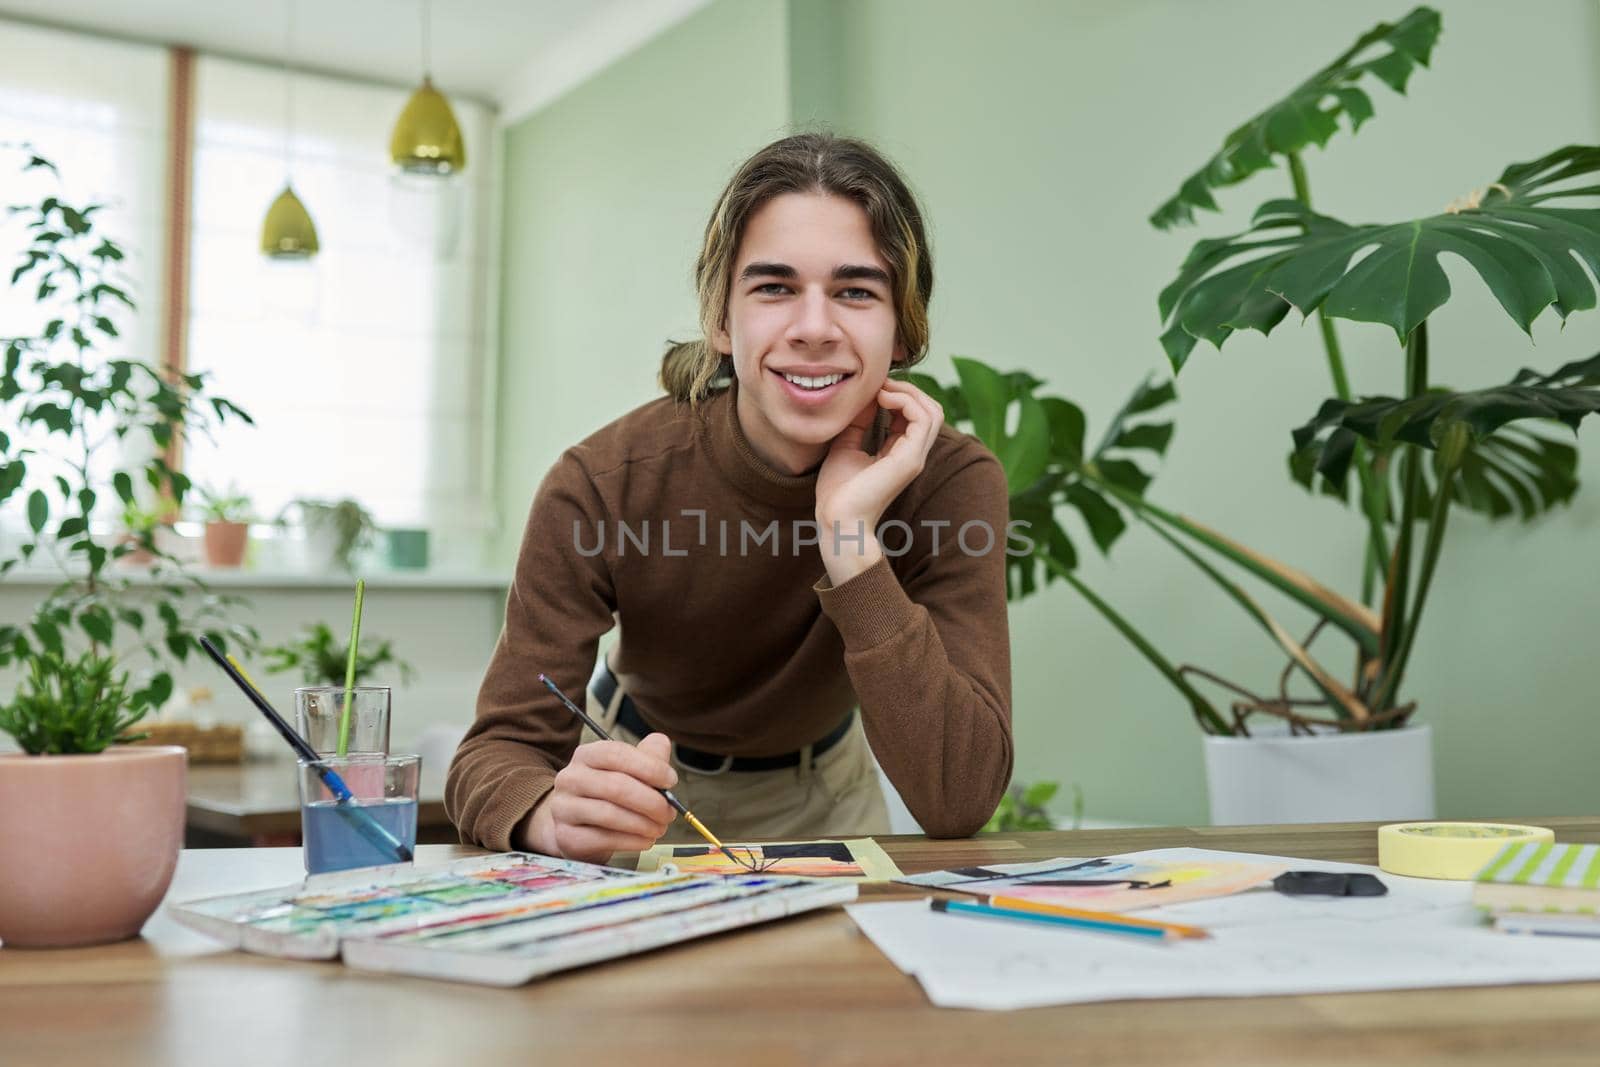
x=288, y=232
x=426, y=139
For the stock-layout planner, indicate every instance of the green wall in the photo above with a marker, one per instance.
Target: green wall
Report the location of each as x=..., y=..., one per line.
x=607, y=190
x=1040, y=135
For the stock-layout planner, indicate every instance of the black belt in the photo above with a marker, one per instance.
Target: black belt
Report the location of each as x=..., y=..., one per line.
x=604, y=686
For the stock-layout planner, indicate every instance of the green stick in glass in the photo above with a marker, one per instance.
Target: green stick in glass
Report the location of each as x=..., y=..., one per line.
x=350, y=670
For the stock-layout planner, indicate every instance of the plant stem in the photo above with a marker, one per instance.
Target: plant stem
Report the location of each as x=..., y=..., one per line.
x=1299, y=588
x=1371, y=503
x=1343, y=703
x=1209, y=720
x=87, y=450
x=1395, y=619
x=1451, y=452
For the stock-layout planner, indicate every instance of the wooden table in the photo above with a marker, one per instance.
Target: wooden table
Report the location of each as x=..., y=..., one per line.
x=258, y=803
x=808, y=990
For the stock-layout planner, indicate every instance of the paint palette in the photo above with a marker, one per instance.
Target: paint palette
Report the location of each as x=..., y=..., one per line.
x=497, y=920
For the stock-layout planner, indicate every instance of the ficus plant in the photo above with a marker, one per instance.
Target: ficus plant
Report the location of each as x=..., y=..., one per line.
x=87, y=431
x=1532, y=235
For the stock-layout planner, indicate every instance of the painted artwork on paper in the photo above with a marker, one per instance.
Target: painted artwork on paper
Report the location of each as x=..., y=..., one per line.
x=859, y=859
x=1109, y=883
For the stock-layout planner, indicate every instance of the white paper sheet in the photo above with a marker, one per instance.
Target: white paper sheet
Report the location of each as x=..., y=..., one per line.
x=1423, y=933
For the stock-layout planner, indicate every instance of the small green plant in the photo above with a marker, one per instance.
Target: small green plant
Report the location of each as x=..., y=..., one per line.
x=225, y=506
x=319, y=656
x=1024, y=808
x=143, y=522
x=77, y=705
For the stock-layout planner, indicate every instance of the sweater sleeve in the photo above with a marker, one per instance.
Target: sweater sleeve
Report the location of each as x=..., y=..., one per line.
x=929, y=655
x=560, y=603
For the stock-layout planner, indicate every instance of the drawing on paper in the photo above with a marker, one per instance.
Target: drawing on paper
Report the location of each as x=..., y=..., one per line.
x=859, y=859
x=1107, y=883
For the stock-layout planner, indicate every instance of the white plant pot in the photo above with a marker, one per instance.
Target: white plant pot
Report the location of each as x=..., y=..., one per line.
x=321, y=547
x=1385, y=775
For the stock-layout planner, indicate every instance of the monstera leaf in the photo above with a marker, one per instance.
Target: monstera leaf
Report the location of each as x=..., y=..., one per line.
x=1310, y=113
x=1047, y=462
x=1506, y=469
x=1526, y=252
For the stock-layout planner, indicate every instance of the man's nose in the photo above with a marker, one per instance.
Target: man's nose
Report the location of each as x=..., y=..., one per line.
x=814, y=323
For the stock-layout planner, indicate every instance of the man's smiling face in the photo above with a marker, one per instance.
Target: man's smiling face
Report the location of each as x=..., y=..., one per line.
x=811, y=325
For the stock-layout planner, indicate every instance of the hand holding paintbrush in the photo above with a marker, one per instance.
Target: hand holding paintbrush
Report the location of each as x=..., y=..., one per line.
x=632, y=818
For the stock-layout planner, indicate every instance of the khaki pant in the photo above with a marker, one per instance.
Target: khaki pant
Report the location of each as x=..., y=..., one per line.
x=834, y=796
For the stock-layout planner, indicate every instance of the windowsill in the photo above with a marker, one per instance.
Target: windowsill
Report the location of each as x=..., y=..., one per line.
x=237, y=578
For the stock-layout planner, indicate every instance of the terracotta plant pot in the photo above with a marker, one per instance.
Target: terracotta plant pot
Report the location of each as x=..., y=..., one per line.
x=88, y=844
x=225, y=543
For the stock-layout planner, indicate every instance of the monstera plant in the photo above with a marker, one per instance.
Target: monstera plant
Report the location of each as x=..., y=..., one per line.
x=1529, y=235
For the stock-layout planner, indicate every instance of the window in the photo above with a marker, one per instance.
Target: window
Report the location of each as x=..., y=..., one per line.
x=363, y=367
x=98, y=110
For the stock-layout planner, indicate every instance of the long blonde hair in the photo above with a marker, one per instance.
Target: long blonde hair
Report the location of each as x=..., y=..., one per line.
x=806, y=163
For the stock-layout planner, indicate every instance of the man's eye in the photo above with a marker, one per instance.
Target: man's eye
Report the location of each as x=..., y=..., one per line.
x=772, y=289
x=859, y=294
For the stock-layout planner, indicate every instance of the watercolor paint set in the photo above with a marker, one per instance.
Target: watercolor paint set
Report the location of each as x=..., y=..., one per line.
x=496, y=920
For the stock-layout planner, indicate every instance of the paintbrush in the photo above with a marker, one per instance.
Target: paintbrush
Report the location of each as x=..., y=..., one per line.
x=359, y=818
x=688, y=815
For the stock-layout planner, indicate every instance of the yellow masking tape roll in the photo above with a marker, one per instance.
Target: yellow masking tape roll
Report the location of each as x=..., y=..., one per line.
x=1449, y=849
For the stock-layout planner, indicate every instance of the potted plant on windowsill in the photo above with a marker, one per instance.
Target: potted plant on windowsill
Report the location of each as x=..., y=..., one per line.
x=227, y=531
x=90, y=828
x=1349, y=749
x=335, y=531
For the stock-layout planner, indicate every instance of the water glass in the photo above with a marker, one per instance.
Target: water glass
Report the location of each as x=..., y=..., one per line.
x=317, y=709
x=362, y=831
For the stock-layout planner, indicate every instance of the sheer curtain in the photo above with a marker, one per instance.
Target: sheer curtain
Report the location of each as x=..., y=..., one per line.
x=97, y=109
x=363, y=367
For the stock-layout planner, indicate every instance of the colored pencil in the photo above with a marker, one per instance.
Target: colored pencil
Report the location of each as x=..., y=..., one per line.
x=985, y=911
x=359, y=817
x=1022, y=904
x=688, y=815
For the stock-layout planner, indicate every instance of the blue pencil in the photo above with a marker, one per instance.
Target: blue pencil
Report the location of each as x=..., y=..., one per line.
x=987, y=911
x=359, y=817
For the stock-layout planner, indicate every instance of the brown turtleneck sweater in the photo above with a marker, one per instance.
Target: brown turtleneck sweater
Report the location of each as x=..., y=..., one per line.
x=732, y=639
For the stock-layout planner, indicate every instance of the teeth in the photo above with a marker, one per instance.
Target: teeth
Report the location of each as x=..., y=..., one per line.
x=814, y=383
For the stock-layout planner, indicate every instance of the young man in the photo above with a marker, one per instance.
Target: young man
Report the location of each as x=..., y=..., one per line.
x=769, y=564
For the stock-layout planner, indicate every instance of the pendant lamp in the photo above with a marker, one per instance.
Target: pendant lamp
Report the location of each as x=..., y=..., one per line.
x=426, y=139
x=287, y=232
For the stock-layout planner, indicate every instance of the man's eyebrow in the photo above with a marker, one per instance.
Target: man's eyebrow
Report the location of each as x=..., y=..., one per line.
x=861, y=273
x=848, y=272
x=767, y=270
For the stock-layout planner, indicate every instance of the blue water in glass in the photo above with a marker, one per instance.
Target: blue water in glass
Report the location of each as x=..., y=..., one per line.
x=333, y=843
